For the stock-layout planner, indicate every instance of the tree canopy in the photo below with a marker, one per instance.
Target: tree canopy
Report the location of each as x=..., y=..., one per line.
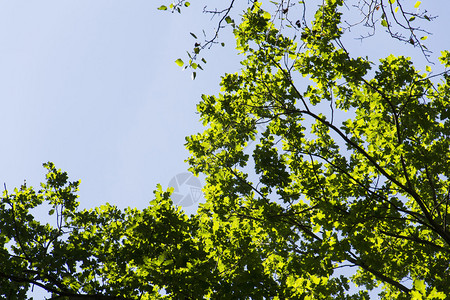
x=323, y=171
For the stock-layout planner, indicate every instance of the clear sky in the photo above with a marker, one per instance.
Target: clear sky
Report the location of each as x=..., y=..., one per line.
x=93, y=87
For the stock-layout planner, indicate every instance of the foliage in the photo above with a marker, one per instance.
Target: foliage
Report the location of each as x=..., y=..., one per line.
x=405, y=21
x=351, y=167
x=316, y=162
x=103, y=252
x=108, y=254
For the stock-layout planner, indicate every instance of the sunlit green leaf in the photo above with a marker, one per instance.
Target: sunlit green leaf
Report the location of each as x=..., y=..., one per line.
x=179, y=62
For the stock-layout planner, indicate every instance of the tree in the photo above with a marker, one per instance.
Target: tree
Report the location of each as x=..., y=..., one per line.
x=101, y=253
x=108, y=254
x=350, y=171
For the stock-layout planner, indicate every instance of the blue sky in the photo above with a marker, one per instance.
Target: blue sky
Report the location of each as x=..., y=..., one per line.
x=93, y=87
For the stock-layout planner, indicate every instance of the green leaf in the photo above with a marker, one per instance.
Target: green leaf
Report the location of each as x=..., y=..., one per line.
x=384, y=23
x=436, y=295
x=424, y=38
x=445, y=58
x=419, y=285
x=417, y=4
x=187, y=4
x=179, y=62
x=162, y=7
x=316, y=228
x=193, y=75
x=195, y=37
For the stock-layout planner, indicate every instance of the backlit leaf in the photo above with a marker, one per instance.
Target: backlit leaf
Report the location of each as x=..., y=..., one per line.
x=179, y=62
